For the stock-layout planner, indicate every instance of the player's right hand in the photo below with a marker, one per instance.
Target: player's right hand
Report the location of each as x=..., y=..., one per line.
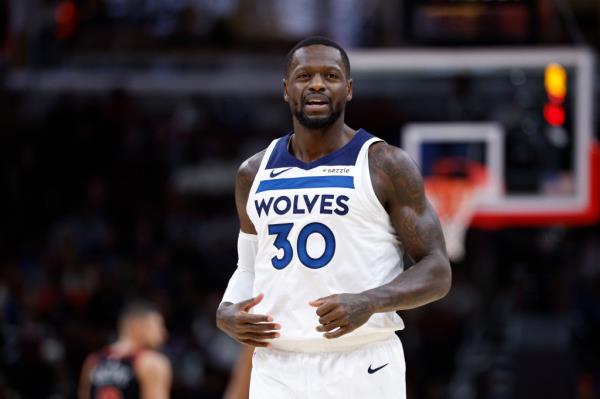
x=235, y=320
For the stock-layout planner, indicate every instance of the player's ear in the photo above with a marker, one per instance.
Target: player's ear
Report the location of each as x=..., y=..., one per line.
x=286, y=97
x=285, y=91
x=349, y=92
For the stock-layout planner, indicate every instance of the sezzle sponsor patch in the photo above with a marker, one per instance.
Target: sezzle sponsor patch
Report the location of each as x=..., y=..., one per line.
x=336, y=170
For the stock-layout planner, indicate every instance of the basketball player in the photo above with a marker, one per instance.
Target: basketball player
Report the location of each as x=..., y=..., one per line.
x=326, y=213
x=130, y=368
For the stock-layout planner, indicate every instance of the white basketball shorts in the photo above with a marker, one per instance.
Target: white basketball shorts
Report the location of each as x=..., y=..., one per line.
x=376, y=370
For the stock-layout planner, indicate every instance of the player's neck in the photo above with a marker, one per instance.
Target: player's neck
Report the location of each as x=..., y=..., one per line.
x=308, y=145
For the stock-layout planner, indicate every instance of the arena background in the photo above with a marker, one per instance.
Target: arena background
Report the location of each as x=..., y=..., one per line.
x=122, y=123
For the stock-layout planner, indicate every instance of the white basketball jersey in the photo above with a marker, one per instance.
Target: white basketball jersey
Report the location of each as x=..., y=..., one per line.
x=321, y=231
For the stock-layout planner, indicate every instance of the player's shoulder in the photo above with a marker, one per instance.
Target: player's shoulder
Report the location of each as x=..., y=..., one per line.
x=246, y=174
x=151, y=362
x=391, y=161
x=249, y=168
x=91, y=361
x=93, y=358
x=394, y=175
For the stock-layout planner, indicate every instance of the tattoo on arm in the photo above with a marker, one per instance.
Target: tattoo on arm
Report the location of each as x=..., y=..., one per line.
x=402, y=190
x=399, y=186
x=243, y=184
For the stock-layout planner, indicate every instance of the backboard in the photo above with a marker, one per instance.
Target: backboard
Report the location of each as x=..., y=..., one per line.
x=537, y=102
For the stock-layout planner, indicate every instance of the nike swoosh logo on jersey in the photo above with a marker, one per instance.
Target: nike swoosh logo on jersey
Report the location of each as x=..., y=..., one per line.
x=371, y=371
x=273, y=174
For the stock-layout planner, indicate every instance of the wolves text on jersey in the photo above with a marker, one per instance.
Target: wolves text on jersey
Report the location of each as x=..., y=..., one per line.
x=301, y=204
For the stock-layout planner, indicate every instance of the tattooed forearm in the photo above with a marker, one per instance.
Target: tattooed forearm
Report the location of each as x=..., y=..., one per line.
x=425, y=282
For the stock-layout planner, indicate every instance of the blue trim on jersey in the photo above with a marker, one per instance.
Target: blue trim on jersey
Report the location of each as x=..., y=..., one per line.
x=346, y=155
x=306, y=182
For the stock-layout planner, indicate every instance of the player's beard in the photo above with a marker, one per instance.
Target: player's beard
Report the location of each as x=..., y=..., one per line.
x=318, y=122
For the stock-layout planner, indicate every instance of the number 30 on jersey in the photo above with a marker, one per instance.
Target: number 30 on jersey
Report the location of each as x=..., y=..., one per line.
x=281, y=232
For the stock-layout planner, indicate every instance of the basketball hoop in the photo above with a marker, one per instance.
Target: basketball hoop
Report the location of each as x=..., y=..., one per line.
x=456, y=198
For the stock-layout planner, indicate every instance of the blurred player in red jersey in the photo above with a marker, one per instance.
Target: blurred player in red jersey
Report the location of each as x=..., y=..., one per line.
x=130, y=368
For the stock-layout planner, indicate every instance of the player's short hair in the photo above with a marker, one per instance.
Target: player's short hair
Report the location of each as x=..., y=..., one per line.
x=137, y=308
x=313, y=41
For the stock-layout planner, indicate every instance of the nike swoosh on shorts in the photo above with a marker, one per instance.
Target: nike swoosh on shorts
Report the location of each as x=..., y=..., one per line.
x=371, y=371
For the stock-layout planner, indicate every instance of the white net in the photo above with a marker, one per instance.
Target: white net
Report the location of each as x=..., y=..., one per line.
x=456, y=199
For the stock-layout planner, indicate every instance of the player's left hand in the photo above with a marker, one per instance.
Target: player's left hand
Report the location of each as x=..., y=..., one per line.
x=340, y=314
